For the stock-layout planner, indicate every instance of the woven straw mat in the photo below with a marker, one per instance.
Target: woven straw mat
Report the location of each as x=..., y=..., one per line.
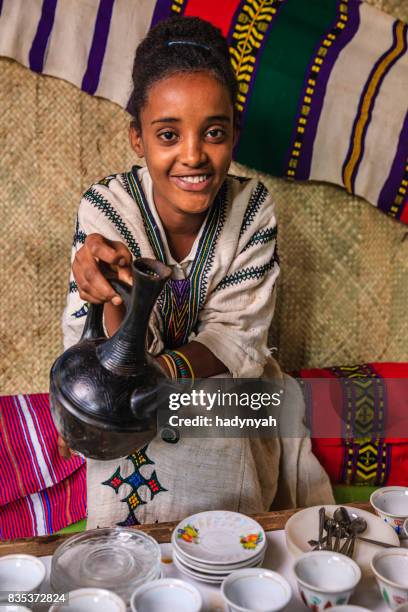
x=343, y=290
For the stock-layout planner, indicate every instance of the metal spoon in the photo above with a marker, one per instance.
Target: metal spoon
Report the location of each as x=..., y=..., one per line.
x=342, y=517
x=322, y=517
x=329, y=525
x=368, y=540
x=357, y=525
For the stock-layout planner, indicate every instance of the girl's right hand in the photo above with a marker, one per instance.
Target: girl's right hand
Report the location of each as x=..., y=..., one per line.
x=92, y=285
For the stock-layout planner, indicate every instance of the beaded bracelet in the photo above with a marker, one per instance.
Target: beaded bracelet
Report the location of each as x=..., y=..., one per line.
x=171, y=366
x=181, y=363
x=188, y=363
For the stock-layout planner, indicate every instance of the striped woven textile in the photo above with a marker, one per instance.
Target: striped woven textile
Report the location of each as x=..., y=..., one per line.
x=40, y=492
x=322, y=85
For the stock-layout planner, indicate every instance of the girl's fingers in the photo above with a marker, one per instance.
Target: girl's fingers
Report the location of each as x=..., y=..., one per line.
x=110, y=251
x=93, y=286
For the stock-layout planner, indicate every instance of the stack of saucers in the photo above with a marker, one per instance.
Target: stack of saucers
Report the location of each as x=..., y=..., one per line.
x=209, y=546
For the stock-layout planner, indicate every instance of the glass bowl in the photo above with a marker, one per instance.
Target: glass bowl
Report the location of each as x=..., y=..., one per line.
x=118, y=559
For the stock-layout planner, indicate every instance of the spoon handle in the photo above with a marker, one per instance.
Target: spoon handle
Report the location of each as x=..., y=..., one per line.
x=322, y=517
x=384, y=544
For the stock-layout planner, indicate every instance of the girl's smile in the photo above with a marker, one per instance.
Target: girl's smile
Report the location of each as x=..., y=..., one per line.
x=187, y=137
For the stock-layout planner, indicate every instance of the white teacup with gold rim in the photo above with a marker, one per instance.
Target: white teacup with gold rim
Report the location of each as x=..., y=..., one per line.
x=391, y=505
x=326, y=579
x=390, y=568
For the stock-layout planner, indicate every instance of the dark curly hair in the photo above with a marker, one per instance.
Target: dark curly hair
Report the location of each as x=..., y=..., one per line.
x=155, y=59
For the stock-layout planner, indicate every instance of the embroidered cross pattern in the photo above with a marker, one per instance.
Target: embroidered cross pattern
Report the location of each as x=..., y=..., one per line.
x=135, y=480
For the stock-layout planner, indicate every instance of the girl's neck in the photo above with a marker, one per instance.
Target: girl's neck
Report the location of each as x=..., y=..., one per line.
x=181, y=228
x=177, y=222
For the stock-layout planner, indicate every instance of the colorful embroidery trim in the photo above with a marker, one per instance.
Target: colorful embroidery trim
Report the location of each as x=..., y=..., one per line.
x=247, y=36
x=262, y=236
x=256, y=200
x=181, y=300
x=251, y=273
x=366, y=456
x=82, y=312
x=189, y=534
x=99, y=202
x=251, y=541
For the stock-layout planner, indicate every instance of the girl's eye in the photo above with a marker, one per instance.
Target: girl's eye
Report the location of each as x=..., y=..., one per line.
x=167, y=136
x=216, y=133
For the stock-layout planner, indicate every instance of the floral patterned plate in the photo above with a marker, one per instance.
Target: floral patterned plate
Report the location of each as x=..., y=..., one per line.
x=218, y=538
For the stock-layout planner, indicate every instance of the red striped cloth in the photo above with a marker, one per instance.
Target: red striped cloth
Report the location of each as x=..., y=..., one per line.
x=39, y=491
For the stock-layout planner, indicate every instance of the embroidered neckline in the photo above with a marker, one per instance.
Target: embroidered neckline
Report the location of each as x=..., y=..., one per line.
x=180, y=301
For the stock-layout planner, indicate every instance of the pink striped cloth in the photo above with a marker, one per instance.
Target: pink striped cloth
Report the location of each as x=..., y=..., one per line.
x=40, y=492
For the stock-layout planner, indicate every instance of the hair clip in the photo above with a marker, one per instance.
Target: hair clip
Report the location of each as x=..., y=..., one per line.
x=188, y=42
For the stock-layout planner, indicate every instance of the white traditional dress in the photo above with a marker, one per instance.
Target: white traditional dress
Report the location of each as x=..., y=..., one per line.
x=222, y=295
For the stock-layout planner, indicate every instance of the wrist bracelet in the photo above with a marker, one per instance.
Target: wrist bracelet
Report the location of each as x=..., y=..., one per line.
x=188, y=363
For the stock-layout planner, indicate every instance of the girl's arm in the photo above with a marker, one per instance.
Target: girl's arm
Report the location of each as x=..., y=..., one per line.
x=203, y=362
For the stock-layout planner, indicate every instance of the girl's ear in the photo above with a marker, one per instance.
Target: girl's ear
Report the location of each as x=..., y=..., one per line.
x=136, y=141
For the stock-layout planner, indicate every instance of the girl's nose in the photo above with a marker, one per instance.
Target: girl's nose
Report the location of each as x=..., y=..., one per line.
x=193, y=152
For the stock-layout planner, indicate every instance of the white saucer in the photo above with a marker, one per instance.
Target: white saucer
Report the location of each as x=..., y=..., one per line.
x=205, y=577
x=218, y=569
x=304, y=526
x=219, y=537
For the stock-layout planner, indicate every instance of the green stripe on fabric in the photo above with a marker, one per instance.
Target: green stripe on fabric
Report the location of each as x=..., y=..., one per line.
x=293, y=38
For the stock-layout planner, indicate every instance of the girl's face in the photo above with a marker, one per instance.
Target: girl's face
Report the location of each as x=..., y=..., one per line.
x=186, y=137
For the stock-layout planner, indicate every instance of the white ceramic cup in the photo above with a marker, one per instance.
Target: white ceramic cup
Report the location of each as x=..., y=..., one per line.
x=9, y=608
x=90, y=600
x=391, y=505
x=23, y=573
x=348, y=608
x=390, y=568
x=252, y=589
x=326, y=578
x=166, y=594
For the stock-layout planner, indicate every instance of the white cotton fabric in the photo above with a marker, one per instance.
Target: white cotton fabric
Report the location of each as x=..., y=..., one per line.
x=246, y=475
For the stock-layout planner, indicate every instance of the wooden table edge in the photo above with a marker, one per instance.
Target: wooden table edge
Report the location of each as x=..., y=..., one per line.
x=42, y=546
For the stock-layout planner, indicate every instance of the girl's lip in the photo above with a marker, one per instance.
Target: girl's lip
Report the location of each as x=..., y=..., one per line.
x=186, y=186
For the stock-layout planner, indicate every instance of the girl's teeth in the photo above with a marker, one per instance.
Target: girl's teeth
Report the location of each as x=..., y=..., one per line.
x=194, y=179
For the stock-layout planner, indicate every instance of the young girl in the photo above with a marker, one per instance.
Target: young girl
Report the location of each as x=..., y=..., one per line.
x=218, y=234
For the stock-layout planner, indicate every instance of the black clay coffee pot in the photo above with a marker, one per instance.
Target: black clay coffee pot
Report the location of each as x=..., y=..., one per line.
x=104, y=392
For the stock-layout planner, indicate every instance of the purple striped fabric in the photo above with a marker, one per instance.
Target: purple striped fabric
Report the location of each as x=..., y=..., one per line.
x=372, y=104
x=100, y=38
x=162, y=10
x=39, y=491
x=28, y=448
x=343, y=39
x=47, y=511
x=393, y=182
x=40, y=42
